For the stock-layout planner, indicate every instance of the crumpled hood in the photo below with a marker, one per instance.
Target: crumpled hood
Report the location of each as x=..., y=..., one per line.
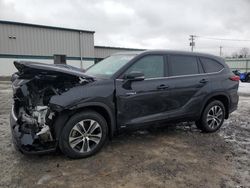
x=33, y=67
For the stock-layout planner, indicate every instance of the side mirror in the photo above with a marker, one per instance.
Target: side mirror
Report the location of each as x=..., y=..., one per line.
x=134, y=76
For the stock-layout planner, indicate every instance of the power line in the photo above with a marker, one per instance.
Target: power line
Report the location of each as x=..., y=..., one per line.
x=235, y=47
x=224, y=39
x=224, y=47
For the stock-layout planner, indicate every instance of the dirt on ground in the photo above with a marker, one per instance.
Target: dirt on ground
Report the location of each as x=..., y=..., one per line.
x=175, y=156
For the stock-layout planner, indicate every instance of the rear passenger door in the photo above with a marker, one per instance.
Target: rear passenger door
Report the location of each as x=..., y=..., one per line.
x=187, y=83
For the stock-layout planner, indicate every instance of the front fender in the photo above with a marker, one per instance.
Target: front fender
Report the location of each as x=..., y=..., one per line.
x=64, y=116
x=96, y=94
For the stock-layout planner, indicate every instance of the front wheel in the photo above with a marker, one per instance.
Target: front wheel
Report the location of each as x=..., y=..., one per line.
x=83, y=135
x=212, y=117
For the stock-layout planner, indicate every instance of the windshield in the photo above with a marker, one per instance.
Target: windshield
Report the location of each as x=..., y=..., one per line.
x=107, y=67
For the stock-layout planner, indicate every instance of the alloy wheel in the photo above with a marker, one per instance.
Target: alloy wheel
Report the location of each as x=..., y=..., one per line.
x=214, y=117
x=85, y=136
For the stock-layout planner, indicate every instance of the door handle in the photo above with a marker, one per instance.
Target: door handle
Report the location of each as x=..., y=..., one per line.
x=162, y=86
x=203, y=81
x=131, y=93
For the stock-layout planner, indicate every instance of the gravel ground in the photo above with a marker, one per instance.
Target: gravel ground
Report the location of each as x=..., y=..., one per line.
x=174, y=156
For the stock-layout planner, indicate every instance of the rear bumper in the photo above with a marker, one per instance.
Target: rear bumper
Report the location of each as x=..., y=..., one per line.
x=233, y=108
x=28, y=143
x=234, y=99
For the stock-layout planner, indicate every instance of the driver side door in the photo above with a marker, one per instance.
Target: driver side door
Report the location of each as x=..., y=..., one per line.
x=146, y=101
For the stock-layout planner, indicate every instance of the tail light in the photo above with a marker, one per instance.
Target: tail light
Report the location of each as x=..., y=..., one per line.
x=235, y=78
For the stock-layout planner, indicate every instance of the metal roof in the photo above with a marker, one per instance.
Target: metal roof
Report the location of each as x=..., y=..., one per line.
x=119, y=48
x=44, y=26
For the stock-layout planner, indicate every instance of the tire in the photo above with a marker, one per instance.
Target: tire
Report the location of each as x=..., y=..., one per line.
x=83, y=135
x=210, y=122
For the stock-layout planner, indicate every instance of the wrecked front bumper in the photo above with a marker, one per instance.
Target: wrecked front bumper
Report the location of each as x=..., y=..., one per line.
x=27, y=141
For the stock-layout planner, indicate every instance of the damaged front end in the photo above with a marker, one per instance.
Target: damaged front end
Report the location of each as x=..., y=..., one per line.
x=32, y=116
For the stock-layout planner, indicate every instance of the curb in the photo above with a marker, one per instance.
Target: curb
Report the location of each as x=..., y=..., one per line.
x=5, y=82
x=5, y=78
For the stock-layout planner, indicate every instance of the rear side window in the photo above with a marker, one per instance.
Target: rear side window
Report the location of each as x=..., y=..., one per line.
x=152, y=66
x=210, y=65
x=183, y=65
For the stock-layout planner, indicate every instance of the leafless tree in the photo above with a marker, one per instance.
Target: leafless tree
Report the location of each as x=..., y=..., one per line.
x=244, y=52
x=235, y=55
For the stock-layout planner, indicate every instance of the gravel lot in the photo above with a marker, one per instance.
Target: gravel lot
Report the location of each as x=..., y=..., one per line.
x=175, y=156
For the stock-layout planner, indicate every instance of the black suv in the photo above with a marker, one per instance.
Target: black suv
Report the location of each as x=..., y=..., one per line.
x=56, y=107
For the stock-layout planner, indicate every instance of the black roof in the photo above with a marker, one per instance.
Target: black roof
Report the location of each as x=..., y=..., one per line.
x=172, y=52
x=44, y=26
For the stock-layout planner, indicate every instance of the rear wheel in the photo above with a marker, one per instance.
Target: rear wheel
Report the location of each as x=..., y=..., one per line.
x=212, y=117
x=83, y=135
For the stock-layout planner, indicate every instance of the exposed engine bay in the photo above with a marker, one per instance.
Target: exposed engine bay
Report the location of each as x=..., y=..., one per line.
x=32, y=91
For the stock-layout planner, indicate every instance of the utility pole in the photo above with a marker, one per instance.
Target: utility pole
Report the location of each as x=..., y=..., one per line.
x=220, y=50
x=192, y=43
x=80, y=48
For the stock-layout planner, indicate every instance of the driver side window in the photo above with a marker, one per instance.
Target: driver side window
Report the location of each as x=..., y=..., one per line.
x=151, y=66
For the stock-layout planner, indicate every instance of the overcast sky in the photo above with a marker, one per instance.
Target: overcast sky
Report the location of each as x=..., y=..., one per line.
x=158, y=24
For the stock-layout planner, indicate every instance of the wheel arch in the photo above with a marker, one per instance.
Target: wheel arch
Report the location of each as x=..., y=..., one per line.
x=222, y=97
x=100, y=108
